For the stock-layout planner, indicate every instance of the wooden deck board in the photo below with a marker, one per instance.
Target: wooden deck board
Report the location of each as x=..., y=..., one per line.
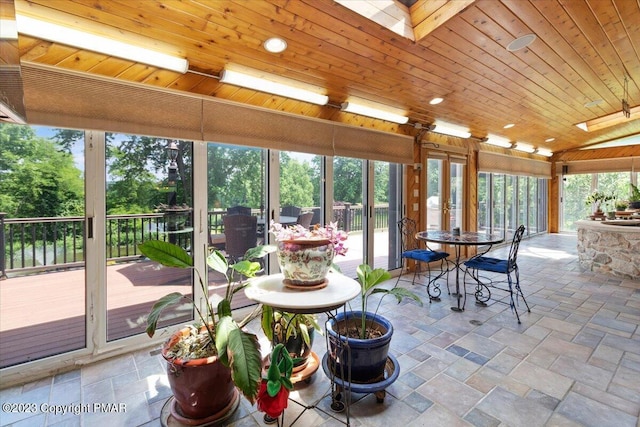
x=44, y=314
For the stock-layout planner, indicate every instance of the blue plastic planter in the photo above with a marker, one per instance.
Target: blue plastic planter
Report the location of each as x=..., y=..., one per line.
x=367, y=358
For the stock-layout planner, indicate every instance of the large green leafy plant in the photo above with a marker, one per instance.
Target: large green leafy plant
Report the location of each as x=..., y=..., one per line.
x=370, y=281
x=217, y=333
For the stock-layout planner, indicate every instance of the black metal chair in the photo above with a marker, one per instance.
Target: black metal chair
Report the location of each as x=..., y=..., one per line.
x=290, y=211
x=304, y=219
x=412, y=249
x=497, y=265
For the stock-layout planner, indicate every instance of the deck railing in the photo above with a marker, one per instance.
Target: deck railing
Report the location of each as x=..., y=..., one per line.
x=41, y=244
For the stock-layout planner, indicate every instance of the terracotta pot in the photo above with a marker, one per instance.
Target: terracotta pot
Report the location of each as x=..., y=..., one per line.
x=305, y=262
x=202, y=388
x=366, y=358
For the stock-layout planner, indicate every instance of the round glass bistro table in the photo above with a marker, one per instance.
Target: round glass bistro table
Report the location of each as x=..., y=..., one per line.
x=465, y=238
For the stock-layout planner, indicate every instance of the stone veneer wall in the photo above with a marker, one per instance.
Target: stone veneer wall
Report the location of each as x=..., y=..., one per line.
x=613, y=252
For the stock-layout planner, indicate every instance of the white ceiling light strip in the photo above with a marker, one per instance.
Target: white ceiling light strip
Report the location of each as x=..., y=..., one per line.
x=265, y=84
x=71, y=37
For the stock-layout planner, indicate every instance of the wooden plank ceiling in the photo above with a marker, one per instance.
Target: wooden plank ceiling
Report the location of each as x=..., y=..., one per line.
x=582, y=52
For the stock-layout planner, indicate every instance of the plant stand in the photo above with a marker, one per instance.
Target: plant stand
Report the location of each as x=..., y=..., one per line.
x=391, y=373
x=270, y=290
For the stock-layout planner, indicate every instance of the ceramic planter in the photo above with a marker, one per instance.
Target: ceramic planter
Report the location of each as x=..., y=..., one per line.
x=366, y=358
x=298, y=348
x=305, y=263
x=202, y=388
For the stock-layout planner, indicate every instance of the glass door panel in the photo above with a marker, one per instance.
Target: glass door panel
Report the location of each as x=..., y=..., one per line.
x=42, y=264
x=300, y=187
x=236, y=184
x=435, y=182
x=148, y=196
x=348, y=190
x=456, y=196
x=387, y=211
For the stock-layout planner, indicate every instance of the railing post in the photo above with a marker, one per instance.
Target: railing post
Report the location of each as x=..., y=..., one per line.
x=3, y=266
x=347, y=217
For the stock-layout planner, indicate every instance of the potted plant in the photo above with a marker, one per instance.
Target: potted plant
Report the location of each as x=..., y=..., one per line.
x=634, y=198
x=295, y=331
x=216, y=345
x=621, y=205
x=306, y=255
x=366, y=334
x=596, y=199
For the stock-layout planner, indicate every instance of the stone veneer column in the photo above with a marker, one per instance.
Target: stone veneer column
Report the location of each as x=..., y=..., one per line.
x=609, y=248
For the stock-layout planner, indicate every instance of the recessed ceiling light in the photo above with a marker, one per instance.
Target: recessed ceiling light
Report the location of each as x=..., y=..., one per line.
x=275, y=45
x=593, y=103
x=509, y=126
x=521, y=42
x=549, y=140
x=435, y=101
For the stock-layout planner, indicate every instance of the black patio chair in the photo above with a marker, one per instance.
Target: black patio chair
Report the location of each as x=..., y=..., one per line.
x=239, y=210
x=497, y=265
x=290, y=211
x=412, y=249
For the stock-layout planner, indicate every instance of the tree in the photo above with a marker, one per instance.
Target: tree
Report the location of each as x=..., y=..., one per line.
x=347, y=185
x=295, y=182
x=38, y=178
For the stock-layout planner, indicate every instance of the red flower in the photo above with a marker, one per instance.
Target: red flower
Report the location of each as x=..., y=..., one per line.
x=272, y=406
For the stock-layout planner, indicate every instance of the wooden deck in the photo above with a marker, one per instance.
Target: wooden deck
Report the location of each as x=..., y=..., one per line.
x=44, y=314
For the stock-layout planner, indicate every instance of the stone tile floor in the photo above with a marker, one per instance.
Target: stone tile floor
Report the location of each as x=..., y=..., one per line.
x=574, y=361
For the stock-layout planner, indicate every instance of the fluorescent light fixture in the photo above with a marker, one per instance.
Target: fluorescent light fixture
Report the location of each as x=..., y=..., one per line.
x=8, y=29
x=65, y=35
x=524, y=147
x=609, y=120
x=549, y=140
x=436, y=101
x=377, y=113
x=451, y=130
x=544, y=152
x=508, y=126
x=270, y=85
x=498, y=141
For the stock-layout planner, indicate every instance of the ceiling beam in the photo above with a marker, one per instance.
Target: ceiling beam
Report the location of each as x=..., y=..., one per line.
x=427, y=15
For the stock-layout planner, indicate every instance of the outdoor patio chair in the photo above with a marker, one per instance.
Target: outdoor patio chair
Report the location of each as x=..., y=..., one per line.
x=239, y=210
x=304, y=219
x=240, y=235
x=316, y=216
x=412, y=250
x=497, y=265
x=289, y=210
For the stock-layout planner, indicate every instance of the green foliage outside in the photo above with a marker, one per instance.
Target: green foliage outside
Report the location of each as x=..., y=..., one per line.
x=38, y=177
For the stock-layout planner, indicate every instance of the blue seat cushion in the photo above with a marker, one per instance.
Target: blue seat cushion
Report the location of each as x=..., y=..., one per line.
x=424, y=255
x=488, y=264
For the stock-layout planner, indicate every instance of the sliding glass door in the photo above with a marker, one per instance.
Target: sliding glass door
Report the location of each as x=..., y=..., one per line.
x=42, y=243
x=148, y=196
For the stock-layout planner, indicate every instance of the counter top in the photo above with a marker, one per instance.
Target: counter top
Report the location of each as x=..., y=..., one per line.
x=621, y=225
